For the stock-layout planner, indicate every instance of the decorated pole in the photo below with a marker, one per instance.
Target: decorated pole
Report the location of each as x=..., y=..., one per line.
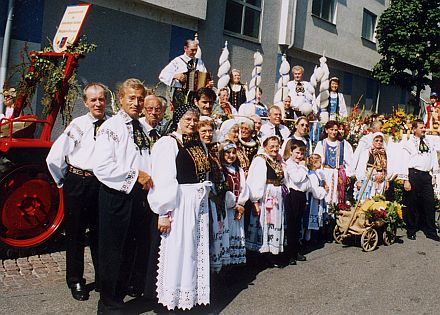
x=282, y=91
x=322, y=76
x=256, y=76
x=224, y=67
x=199, y=50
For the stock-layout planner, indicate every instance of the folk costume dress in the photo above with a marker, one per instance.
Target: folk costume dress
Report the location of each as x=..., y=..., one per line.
x=238, y=194
x=266, y=231
x=316, y=207
x=237, y=94
x=336, y=158
x=219, y=222
x=250, y=148
x=372, y=173
x=179, y=171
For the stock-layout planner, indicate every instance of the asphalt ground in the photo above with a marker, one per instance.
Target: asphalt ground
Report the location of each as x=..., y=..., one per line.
x=403, y=278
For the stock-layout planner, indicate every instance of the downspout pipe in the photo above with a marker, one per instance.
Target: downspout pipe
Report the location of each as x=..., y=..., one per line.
x=5, y=50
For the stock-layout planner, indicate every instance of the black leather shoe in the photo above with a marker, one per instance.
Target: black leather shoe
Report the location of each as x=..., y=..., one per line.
x=134, y=292
x=433, y=237
x=79, y=292
x=300, y=257
x=412, y=237
x=292, y=262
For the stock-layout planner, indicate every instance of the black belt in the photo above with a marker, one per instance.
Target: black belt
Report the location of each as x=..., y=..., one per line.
x=416, y=171
x=79, y=172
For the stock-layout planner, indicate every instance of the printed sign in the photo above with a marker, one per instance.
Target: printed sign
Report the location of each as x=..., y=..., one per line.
x=70, y=26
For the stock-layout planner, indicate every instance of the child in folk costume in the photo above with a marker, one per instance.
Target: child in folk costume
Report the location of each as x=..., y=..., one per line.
x=297, y=181
x=336, y=159
x=316, y=207
x=235, y=198
x=265, y=233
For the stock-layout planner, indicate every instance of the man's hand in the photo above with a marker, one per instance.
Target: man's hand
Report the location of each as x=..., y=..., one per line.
x=256, y=209
x=407, y=185
x=180, y=76
x=210, y=84
x=145, y=180
x=164, y=224
x=434, y=181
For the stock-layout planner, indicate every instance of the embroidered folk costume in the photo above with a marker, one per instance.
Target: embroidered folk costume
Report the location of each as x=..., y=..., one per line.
x=266, y=231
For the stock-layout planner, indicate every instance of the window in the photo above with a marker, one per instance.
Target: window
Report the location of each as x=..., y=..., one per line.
x=243, y=17
x=369, y=26
x=325, y=9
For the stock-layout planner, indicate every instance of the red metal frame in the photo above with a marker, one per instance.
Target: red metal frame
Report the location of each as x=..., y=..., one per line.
x=43, y=141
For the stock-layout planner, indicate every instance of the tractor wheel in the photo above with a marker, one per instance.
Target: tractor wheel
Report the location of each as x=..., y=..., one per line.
x=31, y=208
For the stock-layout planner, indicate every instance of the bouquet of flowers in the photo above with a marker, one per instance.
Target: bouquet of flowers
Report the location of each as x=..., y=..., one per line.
x=396, y=125
x=355, y=125
x=380, y=211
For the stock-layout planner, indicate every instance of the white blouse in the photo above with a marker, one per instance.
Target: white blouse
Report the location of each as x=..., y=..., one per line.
x=296, y=176
x=317, y=191
x=75, y=146
x=117, y=159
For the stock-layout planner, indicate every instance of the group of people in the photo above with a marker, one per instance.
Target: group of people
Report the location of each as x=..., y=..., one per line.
x=181, y=199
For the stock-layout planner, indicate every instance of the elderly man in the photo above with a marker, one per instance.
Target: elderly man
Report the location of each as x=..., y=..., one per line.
x=420, y=163
x=122, y=164
x=154, y=110
x=70, y=161
x=301, y=92
x=176, y=73
x=274, y=127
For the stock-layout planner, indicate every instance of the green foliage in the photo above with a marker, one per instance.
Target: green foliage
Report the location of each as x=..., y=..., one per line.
x=49, y=74
x=409, y=35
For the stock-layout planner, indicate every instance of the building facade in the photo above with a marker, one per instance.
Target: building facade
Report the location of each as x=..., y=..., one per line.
x=137, y=38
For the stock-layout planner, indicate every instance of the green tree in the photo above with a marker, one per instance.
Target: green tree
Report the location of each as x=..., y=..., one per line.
x=408, y=33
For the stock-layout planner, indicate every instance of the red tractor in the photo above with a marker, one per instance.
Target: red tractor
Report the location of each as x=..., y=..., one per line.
x=31, y=205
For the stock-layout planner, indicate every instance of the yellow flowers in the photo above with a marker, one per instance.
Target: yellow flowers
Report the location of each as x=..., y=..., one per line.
x=400, y=114
x=399, y=211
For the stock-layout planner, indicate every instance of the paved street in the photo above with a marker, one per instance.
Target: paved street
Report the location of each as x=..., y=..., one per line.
x=400, y=279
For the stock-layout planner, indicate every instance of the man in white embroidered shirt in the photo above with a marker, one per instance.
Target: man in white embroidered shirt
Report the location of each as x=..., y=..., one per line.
x=419, y=159
x=274, y=127
x=70, y=163
x=122, y=164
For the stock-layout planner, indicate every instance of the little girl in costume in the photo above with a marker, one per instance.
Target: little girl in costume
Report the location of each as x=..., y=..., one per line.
x=316, y=206
x=235, y=198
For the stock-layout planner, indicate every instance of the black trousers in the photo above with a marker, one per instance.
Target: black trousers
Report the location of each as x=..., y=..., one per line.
x=420, y=212
x=80, y=213
x=294, y=207
x=124, y=235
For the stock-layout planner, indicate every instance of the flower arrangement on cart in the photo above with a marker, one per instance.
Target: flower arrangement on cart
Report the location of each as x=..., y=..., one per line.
x=370, y=219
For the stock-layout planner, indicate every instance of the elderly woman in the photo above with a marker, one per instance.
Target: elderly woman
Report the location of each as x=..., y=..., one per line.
x=219, y=229
x=249, y=145
x=371, y=171
x=238, y=89
x=229, y=130
x=180, y=166
x=222, y=108
x=266, y=228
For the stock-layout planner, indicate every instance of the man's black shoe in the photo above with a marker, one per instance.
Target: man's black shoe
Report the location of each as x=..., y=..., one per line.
x=433, y=237
x=300, y=257
x=79, y=292
x=134, y=292
x=292, y=262
x=412, y=237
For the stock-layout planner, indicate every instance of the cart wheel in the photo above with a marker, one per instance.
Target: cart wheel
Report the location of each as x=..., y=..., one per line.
x=389, y=237
x=369, y=240
x=337, y=235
